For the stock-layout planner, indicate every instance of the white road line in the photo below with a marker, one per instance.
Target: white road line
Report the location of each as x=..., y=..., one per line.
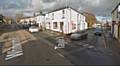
x=7, y=58
x=60, y=55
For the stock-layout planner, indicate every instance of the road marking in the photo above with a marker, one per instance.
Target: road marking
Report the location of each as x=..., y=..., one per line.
x=13, y=56
x=60, y=55
x=16, y=50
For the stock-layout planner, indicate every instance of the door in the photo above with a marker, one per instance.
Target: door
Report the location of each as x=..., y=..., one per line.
x=61, y=26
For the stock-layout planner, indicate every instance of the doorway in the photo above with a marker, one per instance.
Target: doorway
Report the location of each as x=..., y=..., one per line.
x=61, y=26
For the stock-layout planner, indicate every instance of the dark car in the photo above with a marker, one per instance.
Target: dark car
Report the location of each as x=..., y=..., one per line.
x=98, y=32
x=25, y=26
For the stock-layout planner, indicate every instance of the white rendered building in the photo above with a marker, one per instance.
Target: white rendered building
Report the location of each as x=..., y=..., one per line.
x=67, y=20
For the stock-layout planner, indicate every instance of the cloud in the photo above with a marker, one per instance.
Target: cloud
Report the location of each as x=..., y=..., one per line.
x=11, y=7
x=92, y=2
x=97, y=7
x=48, y=1
x=12, y=4
x=43, y=4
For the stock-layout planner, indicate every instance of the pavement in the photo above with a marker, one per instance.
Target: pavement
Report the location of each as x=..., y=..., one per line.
x=112, y=44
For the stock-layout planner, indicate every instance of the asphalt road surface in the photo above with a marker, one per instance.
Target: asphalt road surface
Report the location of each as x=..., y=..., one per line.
x=36, y=52
x=90, y=51
x=79, y=53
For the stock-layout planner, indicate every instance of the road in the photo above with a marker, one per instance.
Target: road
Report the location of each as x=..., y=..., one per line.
x=36, y=52
x=90, y=51
x=79, y=53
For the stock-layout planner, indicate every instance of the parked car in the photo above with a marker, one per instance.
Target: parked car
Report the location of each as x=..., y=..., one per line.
x=25, y=26
x=33, y=29
x=79, y=35
x=98, y=32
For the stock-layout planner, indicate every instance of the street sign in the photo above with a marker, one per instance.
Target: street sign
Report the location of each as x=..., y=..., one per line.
x=16, y=50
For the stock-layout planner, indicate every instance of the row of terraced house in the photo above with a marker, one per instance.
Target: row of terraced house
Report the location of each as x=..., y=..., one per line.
x=115, y=28
x=66, y=20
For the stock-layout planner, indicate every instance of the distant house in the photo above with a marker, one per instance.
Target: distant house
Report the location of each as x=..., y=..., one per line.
x=40, y=20
x=115, y=27
x=1, y=19
x=8, y=20
x=66, y=20
x=28, y=20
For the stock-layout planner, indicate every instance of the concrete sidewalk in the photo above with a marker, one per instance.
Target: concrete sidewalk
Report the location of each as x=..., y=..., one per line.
x=112, y=44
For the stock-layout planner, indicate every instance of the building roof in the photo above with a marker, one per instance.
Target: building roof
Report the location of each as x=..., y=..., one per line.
x=62, y=9
x=84, y=13
x=116, y=7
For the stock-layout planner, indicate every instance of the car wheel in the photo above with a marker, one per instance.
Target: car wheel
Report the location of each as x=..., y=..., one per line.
x=99, y=34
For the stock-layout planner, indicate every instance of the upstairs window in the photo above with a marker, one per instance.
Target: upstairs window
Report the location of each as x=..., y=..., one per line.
x=117, y=14
x=52, y=16
x=63, y=14
x=63, y=11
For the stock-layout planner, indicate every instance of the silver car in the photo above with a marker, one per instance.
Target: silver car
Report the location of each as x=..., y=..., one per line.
x=79, y=35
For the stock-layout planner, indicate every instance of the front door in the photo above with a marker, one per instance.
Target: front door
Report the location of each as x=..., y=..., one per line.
x=61, y=26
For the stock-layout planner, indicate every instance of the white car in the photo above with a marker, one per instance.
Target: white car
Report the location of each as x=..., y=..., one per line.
x=33, y=29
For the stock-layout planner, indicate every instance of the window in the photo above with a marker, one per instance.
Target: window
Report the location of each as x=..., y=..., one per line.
x=77, y=17
x=52, y=16
x=55, y=25
x=73, y=26
x=63, y=11
x=63, y=14
x=117, y=14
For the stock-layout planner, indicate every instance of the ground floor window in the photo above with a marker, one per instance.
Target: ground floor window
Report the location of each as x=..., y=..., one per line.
x=73, y=25
x=55, y=26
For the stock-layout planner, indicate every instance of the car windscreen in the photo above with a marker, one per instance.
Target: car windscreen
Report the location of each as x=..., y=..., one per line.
x=33, y=27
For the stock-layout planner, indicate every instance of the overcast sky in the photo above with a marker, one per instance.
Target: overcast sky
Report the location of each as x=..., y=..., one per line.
x=100, y=8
